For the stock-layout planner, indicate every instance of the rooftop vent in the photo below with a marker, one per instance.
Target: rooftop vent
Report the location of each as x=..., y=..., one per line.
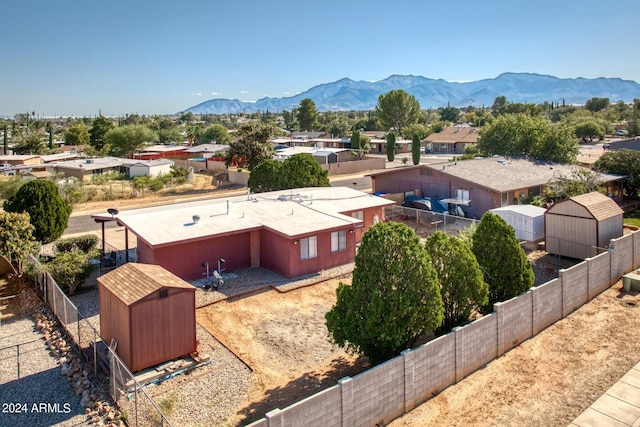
x=196, y=218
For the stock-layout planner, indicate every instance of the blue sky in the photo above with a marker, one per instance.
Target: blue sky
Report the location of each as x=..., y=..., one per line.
x=71, y=57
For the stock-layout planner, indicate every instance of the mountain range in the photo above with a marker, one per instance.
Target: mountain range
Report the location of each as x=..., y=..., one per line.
x=351, y=95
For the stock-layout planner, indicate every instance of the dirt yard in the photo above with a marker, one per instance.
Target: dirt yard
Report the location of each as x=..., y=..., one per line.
x=282, y=337
x=547, y=381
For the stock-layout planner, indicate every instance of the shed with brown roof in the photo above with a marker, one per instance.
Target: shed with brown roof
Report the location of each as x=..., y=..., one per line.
x=582, y=226
x=149, y=311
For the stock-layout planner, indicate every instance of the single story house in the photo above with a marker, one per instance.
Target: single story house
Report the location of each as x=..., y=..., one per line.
x=159, y=151
x=323, y=156
x=292, y=232
x=84, y=169
x=480, y=184
x=452, y=139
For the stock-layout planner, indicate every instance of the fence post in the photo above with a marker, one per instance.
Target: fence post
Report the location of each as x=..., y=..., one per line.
x=18, y=358
x=95, y=356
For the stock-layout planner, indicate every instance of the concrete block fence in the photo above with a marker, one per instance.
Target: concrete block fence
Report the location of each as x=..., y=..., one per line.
x=385, y=392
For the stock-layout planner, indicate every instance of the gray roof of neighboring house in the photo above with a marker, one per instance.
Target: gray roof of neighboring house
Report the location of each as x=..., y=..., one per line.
x=207, y=148
x=108, y=162
x=502, y=174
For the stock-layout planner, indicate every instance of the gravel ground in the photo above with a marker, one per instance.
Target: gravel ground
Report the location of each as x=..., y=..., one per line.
x=55, y=404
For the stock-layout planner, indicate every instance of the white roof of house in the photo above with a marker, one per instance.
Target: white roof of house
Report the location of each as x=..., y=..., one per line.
x=159, y=148
x=207, y=148
x=291, y=213
x=314, y=151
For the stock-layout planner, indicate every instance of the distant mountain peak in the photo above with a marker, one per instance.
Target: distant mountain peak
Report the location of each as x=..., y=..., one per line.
x=346, y=94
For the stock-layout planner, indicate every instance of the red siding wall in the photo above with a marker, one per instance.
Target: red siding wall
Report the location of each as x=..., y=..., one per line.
x=185, y=259
x=115, y=323
x=162, y=328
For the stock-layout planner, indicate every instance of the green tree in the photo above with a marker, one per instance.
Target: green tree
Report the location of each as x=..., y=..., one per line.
x=499, y=105
x=391, y=146
x=28, y=141
x=307, y=115
x=394, y=296
x=48, y=212
x=588, y=130
x=449, y=114
x=504, y=264
x=77, y=134
x=252, y=143
x=16, y=238
x=462, y=286
x=360, y=144
x=299, y=171
x=71, y=268
x=173, y=134
x=597, y=104
x=263, y=177
x=521, y=134
x=397, y=109
x=99, y=128
x=125, y=140
x=622, y=162
x=5, y=138
x=194, y=132
x=217, y=134
x=416, y=149
x=581, y=181
x=416, y=129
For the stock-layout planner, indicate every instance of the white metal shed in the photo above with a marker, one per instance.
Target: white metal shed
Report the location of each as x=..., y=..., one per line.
x=527, y=220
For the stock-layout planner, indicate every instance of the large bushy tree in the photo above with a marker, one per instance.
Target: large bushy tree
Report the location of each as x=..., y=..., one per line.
x=307, y=115
x=397, y=109
x=252, y=144
x=263, y=177
x=394, y=296
x=99, y=128
x=504, y=264
x=48, y=212
x=462, y=286
x=217, y=134
x=299, y=171
x=125, y=140
x=77, y=134
x=16, y=238
x=522, y=134
x=622, y=162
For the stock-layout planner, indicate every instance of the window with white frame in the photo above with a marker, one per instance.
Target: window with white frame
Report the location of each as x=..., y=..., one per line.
x=308, y=247
x=339, y=241
x=462, y=194
x=358, y=215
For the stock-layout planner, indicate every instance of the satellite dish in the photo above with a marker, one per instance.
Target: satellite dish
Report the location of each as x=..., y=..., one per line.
x=113, y=211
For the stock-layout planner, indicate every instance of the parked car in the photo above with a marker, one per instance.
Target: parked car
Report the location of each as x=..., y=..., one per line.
x=622, y=132
x=429, y=204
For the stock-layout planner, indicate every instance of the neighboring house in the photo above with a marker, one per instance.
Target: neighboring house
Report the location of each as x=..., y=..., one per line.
x=149, y=312
x=452, y=139
x=323, y=156
x=206, y=150
x=292, y=232
x=21, y=159
x=625, y=144
x=159, y=151
x=84, y=169
x=582, y=226
x=480, y=184
x=379, y=146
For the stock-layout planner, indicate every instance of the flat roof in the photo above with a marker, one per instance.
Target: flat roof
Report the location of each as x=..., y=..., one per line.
x=291, y=213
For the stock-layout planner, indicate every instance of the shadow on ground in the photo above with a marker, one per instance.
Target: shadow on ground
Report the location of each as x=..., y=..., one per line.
x=300, y=388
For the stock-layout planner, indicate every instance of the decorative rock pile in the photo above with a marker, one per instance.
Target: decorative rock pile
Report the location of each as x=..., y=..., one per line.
x=92, y=397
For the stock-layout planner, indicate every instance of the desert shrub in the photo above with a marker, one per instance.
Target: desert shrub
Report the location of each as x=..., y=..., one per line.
x=83, y=243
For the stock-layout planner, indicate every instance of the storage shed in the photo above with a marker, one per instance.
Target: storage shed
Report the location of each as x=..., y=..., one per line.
x=582, y=226
x=527, y=220
x=149, y=311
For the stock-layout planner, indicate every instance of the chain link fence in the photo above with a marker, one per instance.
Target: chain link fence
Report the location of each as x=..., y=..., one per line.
x=127, y=393
x=427, y=222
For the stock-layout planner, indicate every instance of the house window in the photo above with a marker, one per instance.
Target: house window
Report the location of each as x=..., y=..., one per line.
x=358, y=215
x=339, y=241
x=505, y=199
x=163, y=293
x=462, y=194
x=309, y=247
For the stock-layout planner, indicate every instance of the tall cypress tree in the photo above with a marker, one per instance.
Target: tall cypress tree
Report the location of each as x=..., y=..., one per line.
x=391, y=146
